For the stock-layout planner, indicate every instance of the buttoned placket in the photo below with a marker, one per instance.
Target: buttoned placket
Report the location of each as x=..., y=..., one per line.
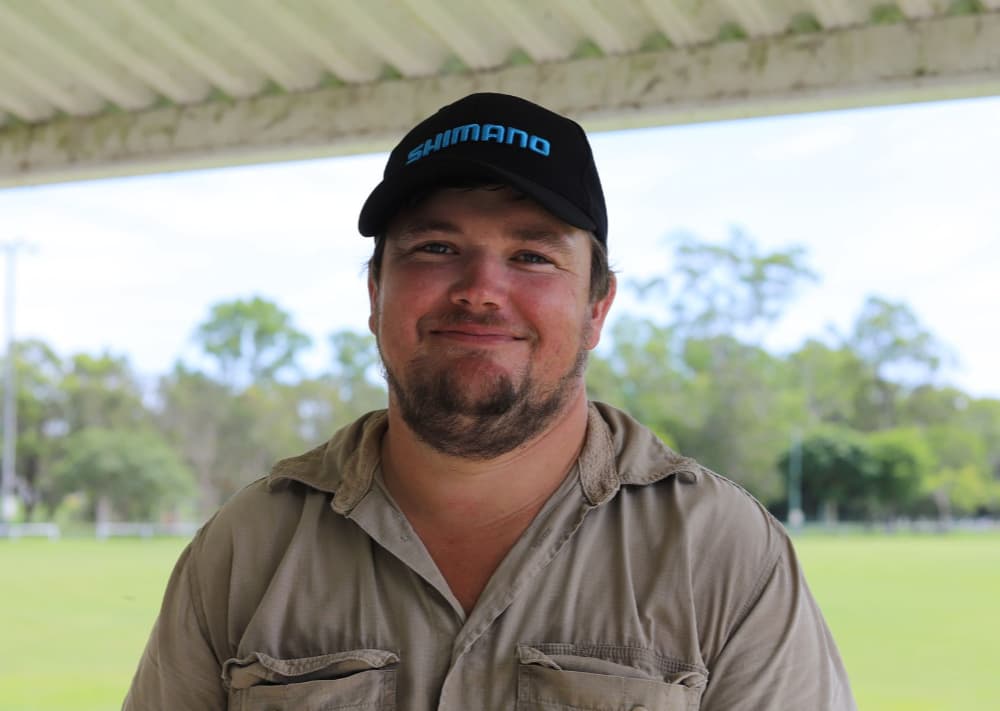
x=538, y=546
x=552, y=528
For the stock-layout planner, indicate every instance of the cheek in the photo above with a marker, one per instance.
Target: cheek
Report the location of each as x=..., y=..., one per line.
x=410, y=288
x=559, y=316
x=399, y=307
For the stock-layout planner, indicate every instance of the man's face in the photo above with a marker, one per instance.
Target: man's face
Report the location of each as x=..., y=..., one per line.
x=483, y=318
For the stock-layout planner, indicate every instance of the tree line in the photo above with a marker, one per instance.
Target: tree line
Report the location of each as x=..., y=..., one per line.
x=858, y=414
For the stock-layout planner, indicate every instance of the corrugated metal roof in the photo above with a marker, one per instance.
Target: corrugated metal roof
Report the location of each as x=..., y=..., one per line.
x=65, y=63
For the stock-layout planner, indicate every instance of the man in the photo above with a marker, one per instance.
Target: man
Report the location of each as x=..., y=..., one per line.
x=491, y=540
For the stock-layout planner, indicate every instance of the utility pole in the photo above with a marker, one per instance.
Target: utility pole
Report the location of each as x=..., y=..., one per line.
x=7, y=502
x=795, y=516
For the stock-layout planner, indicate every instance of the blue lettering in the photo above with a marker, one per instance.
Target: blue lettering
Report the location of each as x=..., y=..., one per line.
x=480, y=132
x=431, y=147
x=492, y=132
x=539, y=145
x=460, y=134
x=516, y=132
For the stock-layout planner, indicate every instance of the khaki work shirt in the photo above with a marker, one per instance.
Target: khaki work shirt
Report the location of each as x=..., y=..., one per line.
x=645, y=582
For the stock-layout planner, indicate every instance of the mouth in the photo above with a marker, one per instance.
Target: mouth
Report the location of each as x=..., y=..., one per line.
x=476, y=336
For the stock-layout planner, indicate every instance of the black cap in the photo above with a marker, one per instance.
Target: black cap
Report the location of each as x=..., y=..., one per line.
x=536, y=151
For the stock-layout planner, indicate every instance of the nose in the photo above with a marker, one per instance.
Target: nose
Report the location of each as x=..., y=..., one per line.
x=482, y=284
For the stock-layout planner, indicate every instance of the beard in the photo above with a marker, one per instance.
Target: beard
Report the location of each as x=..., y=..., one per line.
x=481, y=423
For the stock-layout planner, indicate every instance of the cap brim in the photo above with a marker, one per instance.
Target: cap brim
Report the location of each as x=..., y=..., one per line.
x=390, y=195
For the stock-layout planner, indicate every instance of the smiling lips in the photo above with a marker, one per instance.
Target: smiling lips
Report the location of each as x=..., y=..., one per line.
x=472, y=329
x=477, y=335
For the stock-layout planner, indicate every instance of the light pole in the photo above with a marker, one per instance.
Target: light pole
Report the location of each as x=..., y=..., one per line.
x=7, y=503
x=795, y=516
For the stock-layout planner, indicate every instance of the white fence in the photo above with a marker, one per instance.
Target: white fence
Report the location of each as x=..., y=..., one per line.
x=102, y=531
x=32, y=530
x=144, y=530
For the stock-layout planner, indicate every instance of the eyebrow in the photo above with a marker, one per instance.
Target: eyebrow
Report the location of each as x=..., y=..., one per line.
x=419, y=228
x=541, y=235
x=546, y=237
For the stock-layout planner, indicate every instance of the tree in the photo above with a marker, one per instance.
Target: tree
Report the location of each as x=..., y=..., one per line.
x=233, y=423
x=724, y=402
x=268, y=427
x=39, y=418
x=133, y=474
x=747, y=409
x=861, y=475
x=101, y=391
x=721, y=396
x=895, y=347
x=962, y=490
x=904, y=461
x=889, y=335
x=928, y=405
x=982, y=416
x=829, y=379
x=639, y=374
x=960, y=480
x=251, y=340
x=196, y=414
x=732, y=289
x=355, y=360
x=230, y=439
x=839, y=472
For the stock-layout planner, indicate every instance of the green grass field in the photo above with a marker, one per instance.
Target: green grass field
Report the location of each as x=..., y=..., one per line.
x=917, y=618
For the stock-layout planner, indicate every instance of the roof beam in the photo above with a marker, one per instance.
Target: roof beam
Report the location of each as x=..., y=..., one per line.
x=242, y=42
x=605, y=33
x=935, y=59
x=476, y=50
x=916, y=8
x=60, y=96
x=317, y=43
x=676, y=24
x=542, y=44
x=197, y=58
x=123, y=90
x=756, y=17
x=185, y=91
x=399, y=48
x=18, y=100
x=839, y=13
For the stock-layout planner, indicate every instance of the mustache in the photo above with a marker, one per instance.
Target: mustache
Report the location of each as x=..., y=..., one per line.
x=459, y=317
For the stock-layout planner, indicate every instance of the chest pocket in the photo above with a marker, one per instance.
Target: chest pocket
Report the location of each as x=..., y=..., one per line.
x=562, y=677
x=357, y=679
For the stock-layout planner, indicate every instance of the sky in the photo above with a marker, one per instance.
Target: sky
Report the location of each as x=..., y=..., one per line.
x=902, y=202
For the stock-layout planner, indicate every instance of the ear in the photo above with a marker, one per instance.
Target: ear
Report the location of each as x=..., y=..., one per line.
x=598, y=312
x=372, y=304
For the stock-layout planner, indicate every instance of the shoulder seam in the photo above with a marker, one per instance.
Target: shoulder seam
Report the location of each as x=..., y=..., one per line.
x=194, y=586
x=755, y=590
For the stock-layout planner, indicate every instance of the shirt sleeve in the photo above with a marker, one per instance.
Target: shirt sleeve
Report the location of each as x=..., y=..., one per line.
x=780, y=654
x=179, y=668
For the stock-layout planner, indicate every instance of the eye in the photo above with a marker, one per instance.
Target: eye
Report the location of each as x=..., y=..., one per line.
x=434, y=248
x=533, y=258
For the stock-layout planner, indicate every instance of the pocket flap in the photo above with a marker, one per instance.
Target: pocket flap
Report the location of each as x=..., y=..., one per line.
x=260, y=668
x=618, y=660
x=530, y=655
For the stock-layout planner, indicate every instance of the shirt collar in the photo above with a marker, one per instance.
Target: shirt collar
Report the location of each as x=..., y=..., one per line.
x=617, y=451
